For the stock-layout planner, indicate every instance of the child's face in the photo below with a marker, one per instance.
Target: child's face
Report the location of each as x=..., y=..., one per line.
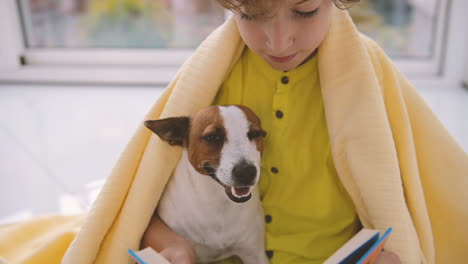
x=285, y=36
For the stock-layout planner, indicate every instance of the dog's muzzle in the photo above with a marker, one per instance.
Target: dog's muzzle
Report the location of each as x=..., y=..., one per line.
x=243, y=175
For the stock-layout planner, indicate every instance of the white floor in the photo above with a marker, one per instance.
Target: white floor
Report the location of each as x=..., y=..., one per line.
x=59, y=143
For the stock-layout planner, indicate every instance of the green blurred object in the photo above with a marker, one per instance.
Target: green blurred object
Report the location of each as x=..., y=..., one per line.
x=119, y=24
x=122, y=8
x=396, y=26
x=231, y=260
x=128, y=24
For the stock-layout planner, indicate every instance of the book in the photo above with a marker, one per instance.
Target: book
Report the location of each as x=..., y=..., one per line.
x=148, y=256
x=362, y=248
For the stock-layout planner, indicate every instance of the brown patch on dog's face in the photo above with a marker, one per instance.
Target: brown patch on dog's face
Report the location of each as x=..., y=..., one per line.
x=207, y=137
x=204, y=136
x=256, y=132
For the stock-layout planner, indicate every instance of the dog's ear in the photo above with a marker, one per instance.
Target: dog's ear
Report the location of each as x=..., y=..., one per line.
x=173, y=130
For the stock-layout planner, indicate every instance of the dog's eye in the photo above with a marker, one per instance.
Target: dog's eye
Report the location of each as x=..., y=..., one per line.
x=255, y=134
x=214, y=138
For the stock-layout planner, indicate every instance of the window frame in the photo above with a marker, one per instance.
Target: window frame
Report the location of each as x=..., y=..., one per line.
x=157, y=66
x=432, y=66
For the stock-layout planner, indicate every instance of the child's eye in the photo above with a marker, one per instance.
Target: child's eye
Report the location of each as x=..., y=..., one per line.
x=247, y=17
x=307, y=14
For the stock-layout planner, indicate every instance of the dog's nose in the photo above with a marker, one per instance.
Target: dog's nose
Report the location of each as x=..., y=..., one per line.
x=244, y=174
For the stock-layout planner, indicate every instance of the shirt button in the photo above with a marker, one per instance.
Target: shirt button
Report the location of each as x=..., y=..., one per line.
x=274, y=170
x=285, y=80
x=268, y=218
x=269, y=253
x=279, y=114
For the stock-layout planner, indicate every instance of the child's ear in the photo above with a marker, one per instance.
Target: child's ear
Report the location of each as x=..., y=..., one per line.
x=173, y=130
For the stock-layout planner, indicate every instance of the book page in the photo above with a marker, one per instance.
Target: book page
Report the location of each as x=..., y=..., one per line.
x=373, y=253
x=356, y=246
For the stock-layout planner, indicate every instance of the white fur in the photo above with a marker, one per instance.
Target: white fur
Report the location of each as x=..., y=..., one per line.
x=196, y=207
x=238, y=146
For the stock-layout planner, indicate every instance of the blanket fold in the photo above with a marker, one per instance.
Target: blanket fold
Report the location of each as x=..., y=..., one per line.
x=40, y=240
x=400, y=166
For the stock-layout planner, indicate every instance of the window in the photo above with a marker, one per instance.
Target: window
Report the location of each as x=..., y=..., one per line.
x=122, y=24
x=410, y=31
x=140, y=42
x=146, y=41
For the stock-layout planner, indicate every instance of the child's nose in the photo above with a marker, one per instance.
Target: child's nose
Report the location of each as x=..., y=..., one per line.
x=279, y=37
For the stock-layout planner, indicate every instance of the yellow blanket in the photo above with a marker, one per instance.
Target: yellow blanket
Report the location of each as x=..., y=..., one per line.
x=399, y=164
x=41, y=240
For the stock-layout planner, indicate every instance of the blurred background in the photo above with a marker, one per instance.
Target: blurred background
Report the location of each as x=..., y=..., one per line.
x=78, y=76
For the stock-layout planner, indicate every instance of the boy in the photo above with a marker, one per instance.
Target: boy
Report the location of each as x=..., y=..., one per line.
x=284, y=36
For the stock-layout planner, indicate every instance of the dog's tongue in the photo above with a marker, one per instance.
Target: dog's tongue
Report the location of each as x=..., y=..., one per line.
x=240, y=194
x=241, y=191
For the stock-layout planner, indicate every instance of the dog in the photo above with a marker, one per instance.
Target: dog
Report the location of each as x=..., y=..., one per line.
x=211, y=199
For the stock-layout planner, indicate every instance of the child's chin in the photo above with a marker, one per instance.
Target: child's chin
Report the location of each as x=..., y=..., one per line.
x=282, y=66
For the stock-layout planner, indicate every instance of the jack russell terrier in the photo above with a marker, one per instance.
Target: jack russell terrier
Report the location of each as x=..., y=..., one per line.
x=211, y=199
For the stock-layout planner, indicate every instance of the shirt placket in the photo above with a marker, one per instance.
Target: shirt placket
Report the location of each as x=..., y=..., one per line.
x=280, y=100
x=280, y=117
x=280, y=120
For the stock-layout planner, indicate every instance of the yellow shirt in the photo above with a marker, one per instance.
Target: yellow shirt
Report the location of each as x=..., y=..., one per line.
x=308, y=213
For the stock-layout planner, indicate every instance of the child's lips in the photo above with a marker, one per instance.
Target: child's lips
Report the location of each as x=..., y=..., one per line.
x=282, y=59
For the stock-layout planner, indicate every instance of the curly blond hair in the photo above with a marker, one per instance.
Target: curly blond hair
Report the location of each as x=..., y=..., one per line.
x=261, y=5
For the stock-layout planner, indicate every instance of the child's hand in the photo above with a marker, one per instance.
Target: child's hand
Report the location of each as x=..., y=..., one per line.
x=180, y=252
x=387, y=257
x=167, y=243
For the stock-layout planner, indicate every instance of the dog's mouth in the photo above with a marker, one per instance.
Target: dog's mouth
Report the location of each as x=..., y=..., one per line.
x=236, y=194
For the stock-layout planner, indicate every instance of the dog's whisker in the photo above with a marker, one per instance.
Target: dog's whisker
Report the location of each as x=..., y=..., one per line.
x=211, y=167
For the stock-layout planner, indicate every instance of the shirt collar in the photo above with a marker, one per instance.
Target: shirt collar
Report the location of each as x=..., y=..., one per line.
x=296, y=74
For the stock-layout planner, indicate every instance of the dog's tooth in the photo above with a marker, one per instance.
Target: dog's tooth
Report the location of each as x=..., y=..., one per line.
x=233, y=191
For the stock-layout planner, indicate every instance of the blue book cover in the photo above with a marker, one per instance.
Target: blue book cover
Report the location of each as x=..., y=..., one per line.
x=363, y=248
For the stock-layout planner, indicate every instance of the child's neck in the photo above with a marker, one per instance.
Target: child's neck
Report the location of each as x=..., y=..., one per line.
x=308, y=58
